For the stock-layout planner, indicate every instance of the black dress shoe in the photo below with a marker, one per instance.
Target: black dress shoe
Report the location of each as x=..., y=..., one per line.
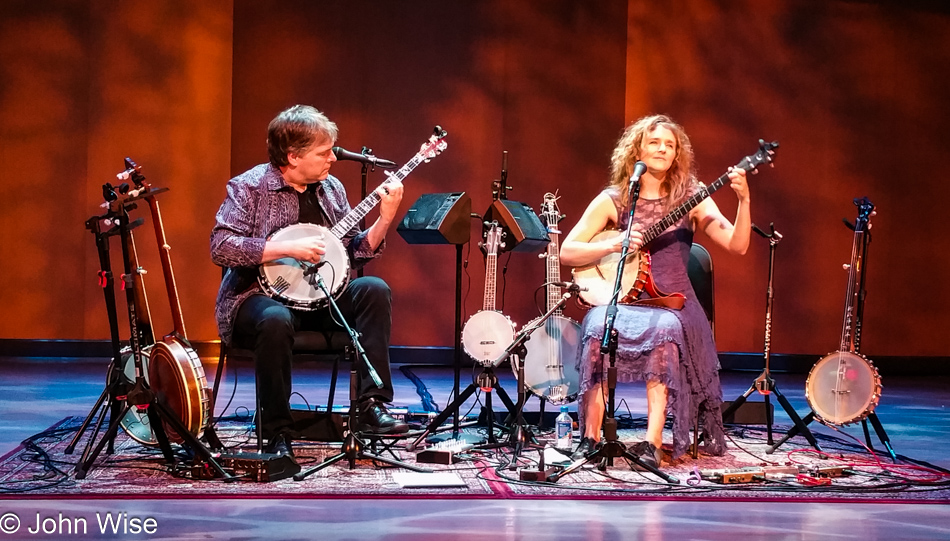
x=584, y=448
x=375, y=419
x=280, y=445
x=648, y=454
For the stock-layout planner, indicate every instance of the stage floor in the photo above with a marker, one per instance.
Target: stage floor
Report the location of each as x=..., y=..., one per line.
x=36, y=393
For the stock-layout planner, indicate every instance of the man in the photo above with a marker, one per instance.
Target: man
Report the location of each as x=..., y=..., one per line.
x=296, y=187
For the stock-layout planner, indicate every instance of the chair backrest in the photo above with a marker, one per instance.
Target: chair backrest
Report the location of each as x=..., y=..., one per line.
x=700, y=270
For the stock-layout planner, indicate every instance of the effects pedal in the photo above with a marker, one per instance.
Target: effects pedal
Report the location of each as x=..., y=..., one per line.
x=259, y=467
x=443, y=452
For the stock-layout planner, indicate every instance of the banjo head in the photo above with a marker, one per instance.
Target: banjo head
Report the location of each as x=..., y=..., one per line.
x=486, y=335
x=843, y=388
x=550, y=371
x=599, y=277
x=290, y=281
x=135, y=422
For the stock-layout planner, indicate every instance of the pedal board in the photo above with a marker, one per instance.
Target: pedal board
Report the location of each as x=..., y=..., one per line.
x=259, y=467
x=756, y=474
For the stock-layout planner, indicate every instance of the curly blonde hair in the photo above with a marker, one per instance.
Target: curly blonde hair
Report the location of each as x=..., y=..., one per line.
x=680, y=175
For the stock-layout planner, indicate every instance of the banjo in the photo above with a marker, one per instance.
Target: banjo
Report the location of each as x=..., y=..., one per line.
x=545, y=374
x=488, y=333
x=844, y=387
x=599, y=277
x=293, y=282
x=172, y=367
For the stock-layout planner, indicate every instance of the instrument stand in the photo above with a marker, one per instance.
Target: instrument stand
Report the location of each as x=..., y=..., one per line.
x=140, y=395
x=353, y=447
x=764, y=384
x=486, y=381
x=612, y=446
x=116, y=386
x=858, y=318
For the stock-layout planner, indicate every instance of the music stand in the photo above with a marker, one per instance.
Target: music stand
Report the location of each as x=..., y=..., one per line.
x=443, y=218
x=523, y=229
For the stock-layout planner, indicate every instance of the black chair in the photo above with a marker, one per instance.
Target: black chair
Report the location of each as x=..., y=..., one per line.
x=306, y=343
x=335, y=343
x=700, y=271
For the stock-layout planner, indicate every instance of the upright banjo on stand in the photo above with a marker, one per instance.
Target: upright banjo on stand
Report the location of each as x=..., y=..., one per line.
x=488, y=333
x=173, y=369
x=549, y=368
x=844, y=387
x=292, y=282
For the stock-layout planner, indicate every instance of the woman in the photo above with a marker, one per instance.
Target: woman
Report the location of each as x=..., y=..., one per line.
x=672, y=350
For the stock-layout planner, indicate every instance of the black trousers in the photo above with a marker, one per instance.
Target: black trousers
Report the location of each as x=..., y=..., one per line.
x=267, y=327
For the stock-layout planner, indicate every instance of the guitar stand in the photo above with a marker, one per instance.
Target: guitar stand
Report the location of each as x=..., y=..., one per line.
x=875, y=422
x=520, y=435
x=858, y=316
x=353, y=448
x=764, y=384
x=116, y=386
x=140, y=395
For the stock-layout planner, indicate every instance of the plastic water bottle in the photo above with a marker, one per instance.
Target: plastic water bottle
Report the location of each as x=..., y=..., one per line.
x=564, y=428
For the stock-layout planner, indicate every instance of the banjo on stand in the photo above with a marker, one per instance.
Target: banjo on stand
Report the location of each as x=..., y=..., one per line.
x=289, y=280
x=488, y=332
x=545, y=374
x=597, y=279
x=173, y=369
x=844, y=387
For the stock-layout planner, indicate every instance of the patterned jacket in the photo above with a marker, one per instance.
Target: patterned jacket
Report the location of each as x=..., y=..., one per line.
x=258, y=203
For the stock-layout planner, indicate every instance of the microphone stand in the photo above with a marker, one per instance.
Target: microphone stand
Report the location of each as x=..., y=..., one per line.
x=612, y=446
x=363, y=171
x=353, y=447
x=519, y=434
x=764, y=384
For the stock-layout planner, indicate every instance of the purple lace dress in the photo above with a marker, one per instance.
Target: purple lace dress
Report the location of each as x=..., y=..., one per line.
x=674, y=347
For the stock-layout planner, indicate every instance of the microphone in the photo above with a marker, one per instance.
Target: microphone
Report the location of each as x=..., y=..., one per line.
x=570, y=286
x=343, y=154
x=638, y=169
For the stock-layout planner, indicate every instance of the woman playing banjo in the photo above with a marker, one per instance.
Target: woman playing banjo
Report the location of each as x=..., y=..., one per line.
x=672, y=350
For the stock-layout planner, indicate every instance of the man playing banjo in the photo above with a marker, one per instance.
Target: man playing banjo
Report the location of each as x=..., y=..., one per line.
x=296, y=188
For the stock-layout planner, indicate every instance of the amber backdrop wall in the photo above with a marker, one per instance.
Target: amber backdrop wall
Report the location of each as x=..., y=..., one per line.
x=855, y=92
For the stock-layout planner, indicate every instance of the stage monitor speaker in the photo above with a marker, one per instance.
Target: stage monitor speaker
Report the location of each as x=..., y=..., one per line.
x=525, y=232
x=438, y=218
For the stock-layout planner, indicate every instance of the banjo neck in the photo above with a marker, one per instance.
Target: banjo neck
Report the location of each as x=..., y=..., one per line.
x=492, y=244
x=432, y=148
x=854, y=299
x=552, y=256
x=749, y=164
x=164, y=251
x=133, y=172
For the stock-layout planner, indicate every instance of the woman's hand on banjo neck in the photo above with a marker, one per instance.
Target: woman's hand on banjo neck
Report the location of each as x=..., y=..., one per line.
x=308, y=249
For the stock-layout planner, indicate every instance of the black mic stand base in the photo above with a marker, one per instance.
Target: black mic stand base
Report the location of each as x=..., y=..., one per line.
x=612, y=448
x=353, y=447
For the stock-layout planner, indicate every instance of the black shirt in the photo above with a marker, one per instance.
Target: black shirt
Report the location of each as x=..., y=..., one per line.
x=310, y=210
